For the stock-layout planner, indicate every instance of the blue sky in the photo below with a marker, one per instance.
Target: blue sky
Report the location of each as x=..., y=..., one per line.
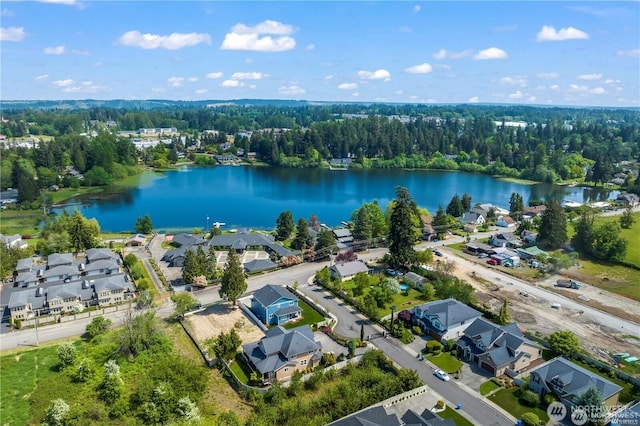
x=544, y=52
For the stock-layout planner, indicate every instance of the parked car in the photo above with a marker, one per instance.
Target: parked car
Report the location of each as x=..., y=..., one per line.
x=438, y=253
x=483, y=255
x=492, y=261
x=442, y=375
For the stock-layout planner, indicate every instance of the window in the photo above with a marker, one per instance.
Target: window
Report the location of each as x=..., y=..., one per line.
x=303, y=362
x=290, y=303
x=286, y=369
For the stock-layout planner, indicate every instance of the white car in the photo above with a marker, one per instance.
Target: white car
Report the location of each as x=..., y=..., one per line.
x=442, y=375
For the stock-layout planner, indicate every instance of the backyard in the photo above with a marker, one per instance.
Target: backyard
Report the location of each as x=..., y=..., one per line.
x=309, y=316
x=508, y=399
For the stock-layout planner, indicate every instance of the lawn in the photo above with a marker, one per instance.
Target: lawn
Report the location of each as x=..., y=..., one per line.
x=620, y=279
x=488, y=387
x=445, y=362
x=241, y=369
x=450, y=413
x=20, y=222
x=309, y=316
x=507, y=399
x=20, y=373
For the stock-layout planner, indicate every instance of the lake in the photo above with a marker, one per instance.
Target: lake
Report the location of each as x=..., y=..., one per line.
x=243, y=196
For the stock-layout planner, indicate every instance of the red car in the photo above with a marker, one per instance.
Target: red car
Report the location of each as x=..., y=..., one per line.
x=492, y=262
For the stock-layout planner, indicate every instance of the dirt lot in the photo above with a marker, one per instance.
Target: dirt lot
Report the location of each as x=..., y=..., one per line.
x=221, y=318
x=527, y=312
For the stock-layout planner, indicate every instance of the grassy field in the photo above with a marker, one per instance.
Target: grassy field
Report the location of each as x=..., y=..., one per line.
x=20, y=374
x=632, y=235
x=23, y=222
x=507, y=399
x=488, y=387
x=445, y=362
x=309, y=316
x=450, y=413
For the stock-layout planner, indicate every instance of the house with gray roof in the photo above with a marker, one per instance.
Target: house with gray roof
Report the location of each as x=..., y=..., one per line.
x=112, y=289
x=414, y=279
x=347, y=270
x=58, y=259
x=96, y=254
x=444, y=319
x=274, y=304
x=243, y=240
x=258, y=265
x=567, y=381
x=281, y=352
x=12, y=241
x=24, y=304
x=377, y=416
x=498, y=349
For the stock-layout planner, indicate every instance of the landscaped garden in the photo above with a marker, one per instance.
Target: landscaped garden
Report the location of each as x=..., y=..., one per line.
x=445, y=362
x=509, y=399
x=488, y=387
x=309, y=316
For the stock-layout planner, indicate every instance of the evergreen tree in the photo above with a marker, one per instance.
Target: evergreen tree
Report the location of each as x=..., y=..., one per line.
x=553, y=228
x=583, y=237
x=401, y=229
x=440, y=222
x=362, y=230
x=516, y=205
x=302, y=239
x=627, y=220
x=455, y=207
x=26, y=186
x=284, y=225
x=324, y=241
x=201, y=261
x=190, y=268
x=592, y=400
x=82, y=232
x=144, y=225
x=233, y=282
x=466, y=202
x=503, y=317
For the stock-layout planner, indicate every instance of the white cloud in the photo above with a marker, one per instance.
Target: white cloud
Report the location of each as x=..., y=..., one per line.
x=380, y=74
x=419, y=69
x=172, y=41
x=248, y=61
x=214, y=75
x=243, y=37
x=348, y=86
x=516, y=80
x=158, y=90
x=54, y=50
x=63, y=83
x=612, y=81
x=291, y=90
x=81, y=52
x=549, y=33
x=252, y=86
x=490, y=53
x=85, y=87
x=445, y=54
x=64, y=2
x=175, y=81
x=416, y=8
x=515, y=95
x=12, y=34
x=42, y=77
x=7, y=13
x=554, y=87
x=547, y=75
x=578, y=88
x=248, y=76
x=355, y=94
x=590, y=77
x=628, y=53
x=231, y=83
x=399, y=92
x=531, y=99
x=201, y=91
x=328, y=77
x=474, y=100
x=310, y=47
x=598, y=91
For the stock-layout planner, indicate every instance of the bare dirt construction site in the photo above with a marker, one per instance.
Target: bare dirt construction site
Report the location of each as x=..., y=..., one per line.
x=222, y=318
x=535, y=315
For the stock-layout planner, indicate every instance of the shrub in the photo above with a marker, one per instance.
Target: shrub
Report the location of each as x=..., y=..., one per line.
x=417, y=330
x=433, y=346
x=530, y=419
x=449, y=345
x=530, y=398
x=549, y=399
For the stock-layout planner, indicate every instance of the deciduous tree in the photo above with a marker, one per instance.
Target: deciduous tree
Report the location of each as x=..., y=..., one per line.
x=184, y=302
x=564, y=342
x=98, y=325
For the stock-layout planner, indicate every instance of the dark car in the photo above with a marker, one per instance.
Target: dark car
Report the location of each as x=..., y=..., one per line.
x=438, y=253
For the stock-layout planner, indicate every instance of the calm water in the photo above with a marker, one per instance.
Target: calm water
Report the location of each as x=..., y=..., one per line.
x=255, y=196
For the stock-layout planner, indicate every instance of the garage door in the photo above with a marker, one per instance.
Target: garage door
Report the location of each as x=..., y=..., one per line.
x=488, y=368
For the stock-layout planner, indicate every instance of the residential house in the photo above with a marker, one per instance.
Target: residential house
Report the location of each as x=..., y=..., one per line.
x=69, y=297
x=505, y=239
x=531, y=212
x=377, y=415
x=137, y=240
x=528, y=237
x=428, y=232
x=112, y=290
x=529, y=253
x=497, y=349
x=629, y=199
x=258, y=265
x=506, y=222
x=10, y=196
x=24, y=304
x=414, y=279
x=444, y=319
x=281, y=352
x=347, y=270
x=59, y=259
x=343, y=237
x=473, y=220
x=567, y=381
x=505, y=256
x=243, y=240
x=477, y=248
x=274, y=304
x=12, y=241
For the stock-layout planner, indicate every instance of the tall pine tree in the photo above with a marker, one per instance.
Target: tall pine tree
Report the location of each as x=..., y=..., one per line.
x=401, y=229
x=233, y=282
x=553, y=228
